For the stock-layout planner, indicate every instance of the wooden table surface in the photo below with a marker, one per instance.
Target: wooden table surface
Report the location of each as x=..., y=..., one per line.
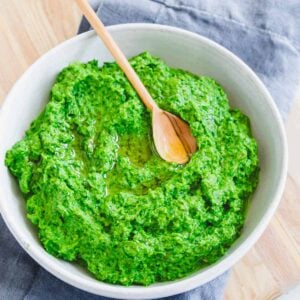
x=29, y=28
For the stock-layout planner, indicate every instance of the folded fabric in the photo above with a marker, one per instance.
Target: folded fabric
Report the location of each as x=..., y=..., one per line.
x=265, y=34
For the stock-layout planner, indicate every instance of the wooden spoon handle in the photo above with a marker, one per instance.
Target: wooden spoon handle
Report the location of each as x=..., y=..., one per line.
x=116, y=52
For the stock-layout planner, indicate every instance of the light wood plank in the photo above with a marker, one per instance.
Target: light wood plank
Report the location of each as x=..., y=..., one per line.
x=28, y=29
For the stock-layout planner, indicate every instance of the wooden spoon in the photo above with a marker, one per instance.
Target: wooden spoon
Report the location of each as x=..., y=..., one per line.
x=172, y=136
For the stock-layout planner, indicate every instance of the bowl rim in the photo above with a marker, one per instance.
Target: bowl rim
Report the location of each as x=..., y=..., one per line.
x=166, y=288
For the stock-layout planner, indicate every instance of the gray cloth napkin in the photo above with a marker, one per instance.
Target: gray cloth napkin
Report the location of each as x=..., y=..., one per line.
x=265, y=34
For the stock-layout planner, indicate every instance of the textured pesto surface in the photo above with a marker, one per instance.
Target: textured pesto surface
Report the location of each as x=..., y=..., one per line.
x=98, y=193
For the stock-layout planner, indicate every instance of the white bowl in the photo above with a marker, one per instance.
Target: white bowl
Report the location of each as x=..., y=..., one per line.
x=181, y=49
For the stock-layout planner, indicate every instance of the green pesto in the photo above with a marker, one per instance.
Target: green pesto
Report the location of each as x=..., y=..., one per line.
x=100, y=195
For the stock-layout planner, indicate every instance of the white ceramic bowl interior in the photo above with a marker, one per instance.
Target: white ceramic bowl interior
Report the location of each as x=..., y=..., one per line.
x=179, y=49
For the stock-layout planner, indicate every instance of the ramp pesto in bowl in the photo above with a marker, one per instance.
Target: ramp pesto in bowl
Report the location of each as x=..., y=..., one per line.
x=100, y=195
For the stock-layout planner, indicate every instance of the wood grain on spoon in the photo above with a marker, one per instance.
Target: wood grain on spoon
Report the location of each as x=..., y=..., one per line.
x=172, y=136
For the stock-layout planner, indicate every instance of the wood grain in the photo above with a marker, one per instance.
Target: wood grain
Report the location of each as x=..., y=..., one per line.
x=29, y=28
